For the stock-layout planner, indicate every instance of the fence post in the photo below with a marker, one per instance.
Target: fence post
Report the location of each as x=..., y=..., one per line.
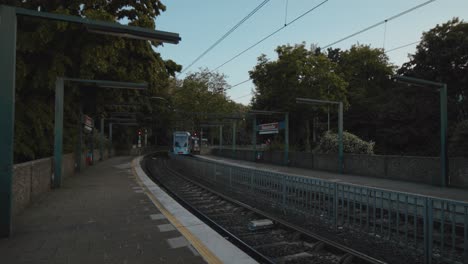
x=335, y=209
x=230, y=177
x=428, y=218
x=284, y=191
x=465, y=240
x=252, y=181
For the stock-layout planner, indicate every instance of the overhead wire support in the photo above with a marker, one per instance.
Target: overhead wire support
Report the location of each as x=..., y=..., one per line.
x=378, y=24
x=226, y=34
x=273, y=33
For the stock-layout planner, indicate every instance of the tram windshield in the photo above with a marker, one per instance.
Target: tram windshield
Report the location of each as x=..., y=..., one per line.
x=180, y=141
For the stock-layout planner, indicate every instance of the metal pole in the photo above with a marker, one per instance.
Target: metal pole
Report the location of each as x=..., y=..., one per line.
x=286, y=139
x=101, y=143
x=80, y=139
x=328, y=108
x=58, y=133
x=254, y=136
x=110, y=139
x=340, y=137
x=201, y=139
x=92, y=143
x=220, y=138
x=7, y=115
x=445, y=180
x=234, y=138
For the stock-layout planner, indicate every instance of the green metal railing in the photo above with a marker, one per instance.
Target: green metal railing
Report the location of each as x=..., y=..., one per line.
x=437, y=228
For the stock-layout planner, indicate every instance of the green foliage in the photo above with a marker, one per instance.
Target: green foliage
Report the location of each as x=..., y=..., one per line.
x=411, y=114
x=366, y=70
x=442, y=56
x=276, y=145
x=298, y=72
x=458, y=146
x=199, y=94
x=351, y=144
x=49, y=49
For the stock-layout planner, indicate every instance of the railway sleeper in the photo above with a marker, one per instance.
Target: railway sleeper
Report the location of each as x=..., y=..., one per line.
x=296, y=257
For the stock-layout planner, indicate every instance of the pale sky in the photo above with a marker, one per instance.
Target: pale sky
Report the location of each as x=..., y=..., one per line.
x=201, y=23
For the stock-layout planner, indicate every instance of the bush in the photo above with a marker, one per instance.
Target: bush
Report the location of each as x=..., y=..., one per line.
x=351, y=144
x=458, y=144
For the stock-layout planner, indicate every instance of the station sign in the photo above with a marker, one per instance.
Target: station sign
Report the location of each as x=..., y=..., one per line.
x=270, y=128
x=88, y=123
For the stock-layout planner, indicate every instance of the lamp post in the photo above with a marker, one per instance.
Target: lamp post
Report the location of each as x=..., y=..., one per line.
x=444, y=176
x=340, y=125
x=8, y=30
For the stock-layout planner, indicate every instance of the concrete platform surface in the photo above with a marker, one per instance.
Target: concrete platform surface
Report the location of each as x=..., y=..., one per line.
x=399, y=186
x=101, y=215
x=220, y=249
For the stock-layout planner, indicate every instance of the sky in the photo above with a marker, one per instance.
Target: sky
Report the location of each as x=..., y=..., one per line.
x=201, y=23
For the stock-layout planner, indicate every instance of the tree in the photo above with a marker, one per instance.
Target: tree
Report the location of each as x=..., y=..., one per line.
x=442, y=56
x=197, y=96
x=366, y=70
x=215, y=82
x=298, y=72
x=48, y=49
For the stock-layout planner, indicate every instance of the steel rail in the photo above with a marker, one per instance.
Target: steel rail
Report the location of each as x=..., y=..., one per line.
x=231, y=237
x=328, y=243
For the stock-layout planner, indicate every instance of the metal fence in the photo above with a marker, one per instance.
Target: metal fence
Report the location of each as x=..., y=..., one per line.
x=437, y=228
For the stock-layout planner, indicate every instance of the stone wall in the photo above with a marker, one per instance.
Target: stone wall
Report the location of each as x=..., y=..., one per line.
x=21, y=187
x=458, y=171
x=32, y=179
x=406, y=168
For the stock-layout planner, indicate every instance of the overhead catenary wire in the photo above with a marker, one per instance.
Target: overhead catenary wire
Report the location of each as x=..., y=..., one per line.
x=271, y=34
x=226, y=34
x=335, y=42
x=237, y=84
x=240, y=97
x=379, y=23
x=403, y=46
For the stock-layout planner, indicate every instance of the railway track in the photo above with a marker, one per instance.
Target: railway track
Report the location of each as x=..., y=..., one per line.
x=265, y=237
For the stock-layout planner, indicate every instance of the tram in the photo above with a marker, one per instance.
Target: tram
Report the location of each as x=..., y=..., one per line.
x=182, y=143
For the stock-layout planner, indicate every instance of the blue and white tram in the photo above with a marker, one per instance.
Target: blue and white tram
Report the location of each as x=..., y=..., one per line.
x=181, y=143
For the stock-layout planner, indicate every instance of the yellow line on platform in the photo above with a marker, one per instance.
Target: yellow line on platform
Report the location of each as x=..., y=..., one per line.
x=196, y=243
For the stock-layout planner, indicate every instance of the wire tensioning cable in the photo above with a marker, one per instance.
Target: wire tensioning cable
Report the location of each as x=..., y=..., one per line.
x=403, y=46
x=226, y=34
x=237, y=84
x=340, y=40
x=378, y=24
x=245, y=95
x=271, y=34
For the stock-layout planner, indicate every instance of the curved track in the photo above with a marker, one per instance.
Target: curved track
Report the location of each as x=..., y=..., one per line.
x=281, y=242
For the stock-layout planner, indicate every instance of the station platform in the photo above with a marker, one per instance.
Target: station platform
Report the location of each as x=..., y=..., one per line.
x=450, y=193
x=113, y=213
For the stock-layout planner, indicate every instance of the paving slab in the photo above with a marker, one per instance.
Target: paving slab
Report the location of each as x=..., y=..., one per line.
x=96, y=217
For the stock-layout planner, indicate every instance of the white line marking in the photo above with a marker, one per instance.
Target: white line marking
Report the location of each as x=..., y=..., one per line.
x=166, y=228
x=178, y=242
x=157, y=217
